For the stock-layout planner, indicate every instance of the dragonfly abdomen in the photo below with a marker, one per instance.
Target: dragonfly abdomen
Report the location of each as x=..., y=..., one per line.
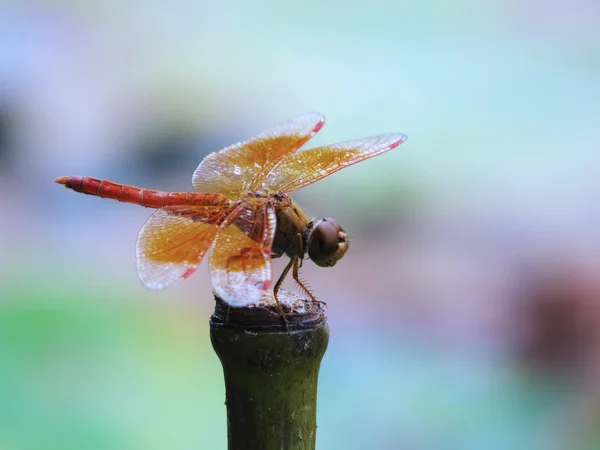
x=140, y=196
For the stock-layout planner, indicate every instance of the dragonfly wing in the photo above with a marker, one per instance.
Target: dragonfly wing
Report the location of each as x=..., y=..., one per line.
x=240, y=261
x=242, y=167
x=174, y=240
x=303, y=168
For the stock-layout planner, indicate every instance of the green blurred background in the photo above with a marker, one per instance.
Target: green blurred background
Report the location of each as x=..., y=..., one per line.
x=466, y=314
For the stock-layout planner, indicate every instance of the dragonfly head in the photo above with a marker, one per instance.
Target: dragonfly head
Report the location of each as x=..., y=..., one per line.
x=327, y=242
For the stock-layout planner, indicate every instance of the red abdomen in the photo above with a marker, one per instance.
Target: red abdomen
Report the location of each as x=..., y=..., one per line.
x=140, y=196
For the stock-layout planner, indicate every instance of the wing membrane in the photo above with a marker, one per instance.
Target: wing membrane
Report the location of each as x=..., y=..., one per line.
x=240, y=261
x=303, y=168
x=174, y=240
x=244, y=166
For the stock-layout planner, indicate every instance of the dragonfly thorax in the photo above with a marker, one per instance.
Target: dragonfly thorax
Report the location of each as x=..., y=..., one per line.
x=291, y=234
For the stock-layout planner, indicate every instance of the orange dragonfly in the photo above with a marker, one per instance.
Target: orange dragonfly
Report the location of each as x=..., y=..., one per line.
x=241, y=209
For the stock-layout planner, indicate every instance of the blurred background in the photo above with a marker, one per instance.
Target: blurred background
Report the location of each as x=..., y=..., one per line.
x=466, y=314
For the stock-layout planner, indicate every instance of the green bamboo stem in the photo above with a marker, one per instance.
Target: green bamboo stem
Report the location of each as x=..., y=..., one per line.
x=270, y=374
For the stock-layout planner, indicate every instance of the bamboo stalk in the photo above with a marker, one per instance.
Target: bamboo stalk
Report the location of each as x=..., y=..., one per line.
x=270, y=374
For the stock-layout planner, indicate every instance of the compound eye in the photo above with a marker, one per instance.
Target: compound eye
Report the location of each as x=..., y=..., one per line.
x=327, y=243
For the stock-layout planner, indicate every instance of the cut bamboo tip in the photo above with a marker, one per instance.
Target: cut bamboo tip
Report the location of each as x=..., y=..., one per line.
x=300, y=312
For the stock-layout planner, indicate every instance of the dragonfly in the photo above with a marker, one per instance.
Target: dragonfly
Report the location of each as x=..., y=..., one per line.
x=240, y=212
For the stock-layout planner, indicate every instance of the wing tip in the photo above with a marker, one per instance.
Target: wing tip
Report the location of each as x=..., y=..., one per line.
x=312, y=117
x=397, y=139
x=153, y=285
x=318, y=126
x=188, y=272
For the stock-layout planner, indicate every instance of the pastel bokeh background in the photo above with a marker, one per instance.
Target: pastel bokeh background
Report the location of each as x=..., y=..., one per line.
x=466, y=314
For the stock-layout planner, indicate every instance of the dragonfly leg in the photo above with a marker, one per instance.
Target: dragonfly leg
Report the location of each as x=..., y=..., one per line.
x=278, y=286
x=296, y=273
x=282, y=277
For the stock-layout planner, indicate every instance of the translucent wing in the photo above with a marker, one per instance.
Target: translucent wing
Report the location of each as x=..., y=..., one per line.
x=241, y=167
x=240, y=261
x=303, y=168
x=174, y=240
